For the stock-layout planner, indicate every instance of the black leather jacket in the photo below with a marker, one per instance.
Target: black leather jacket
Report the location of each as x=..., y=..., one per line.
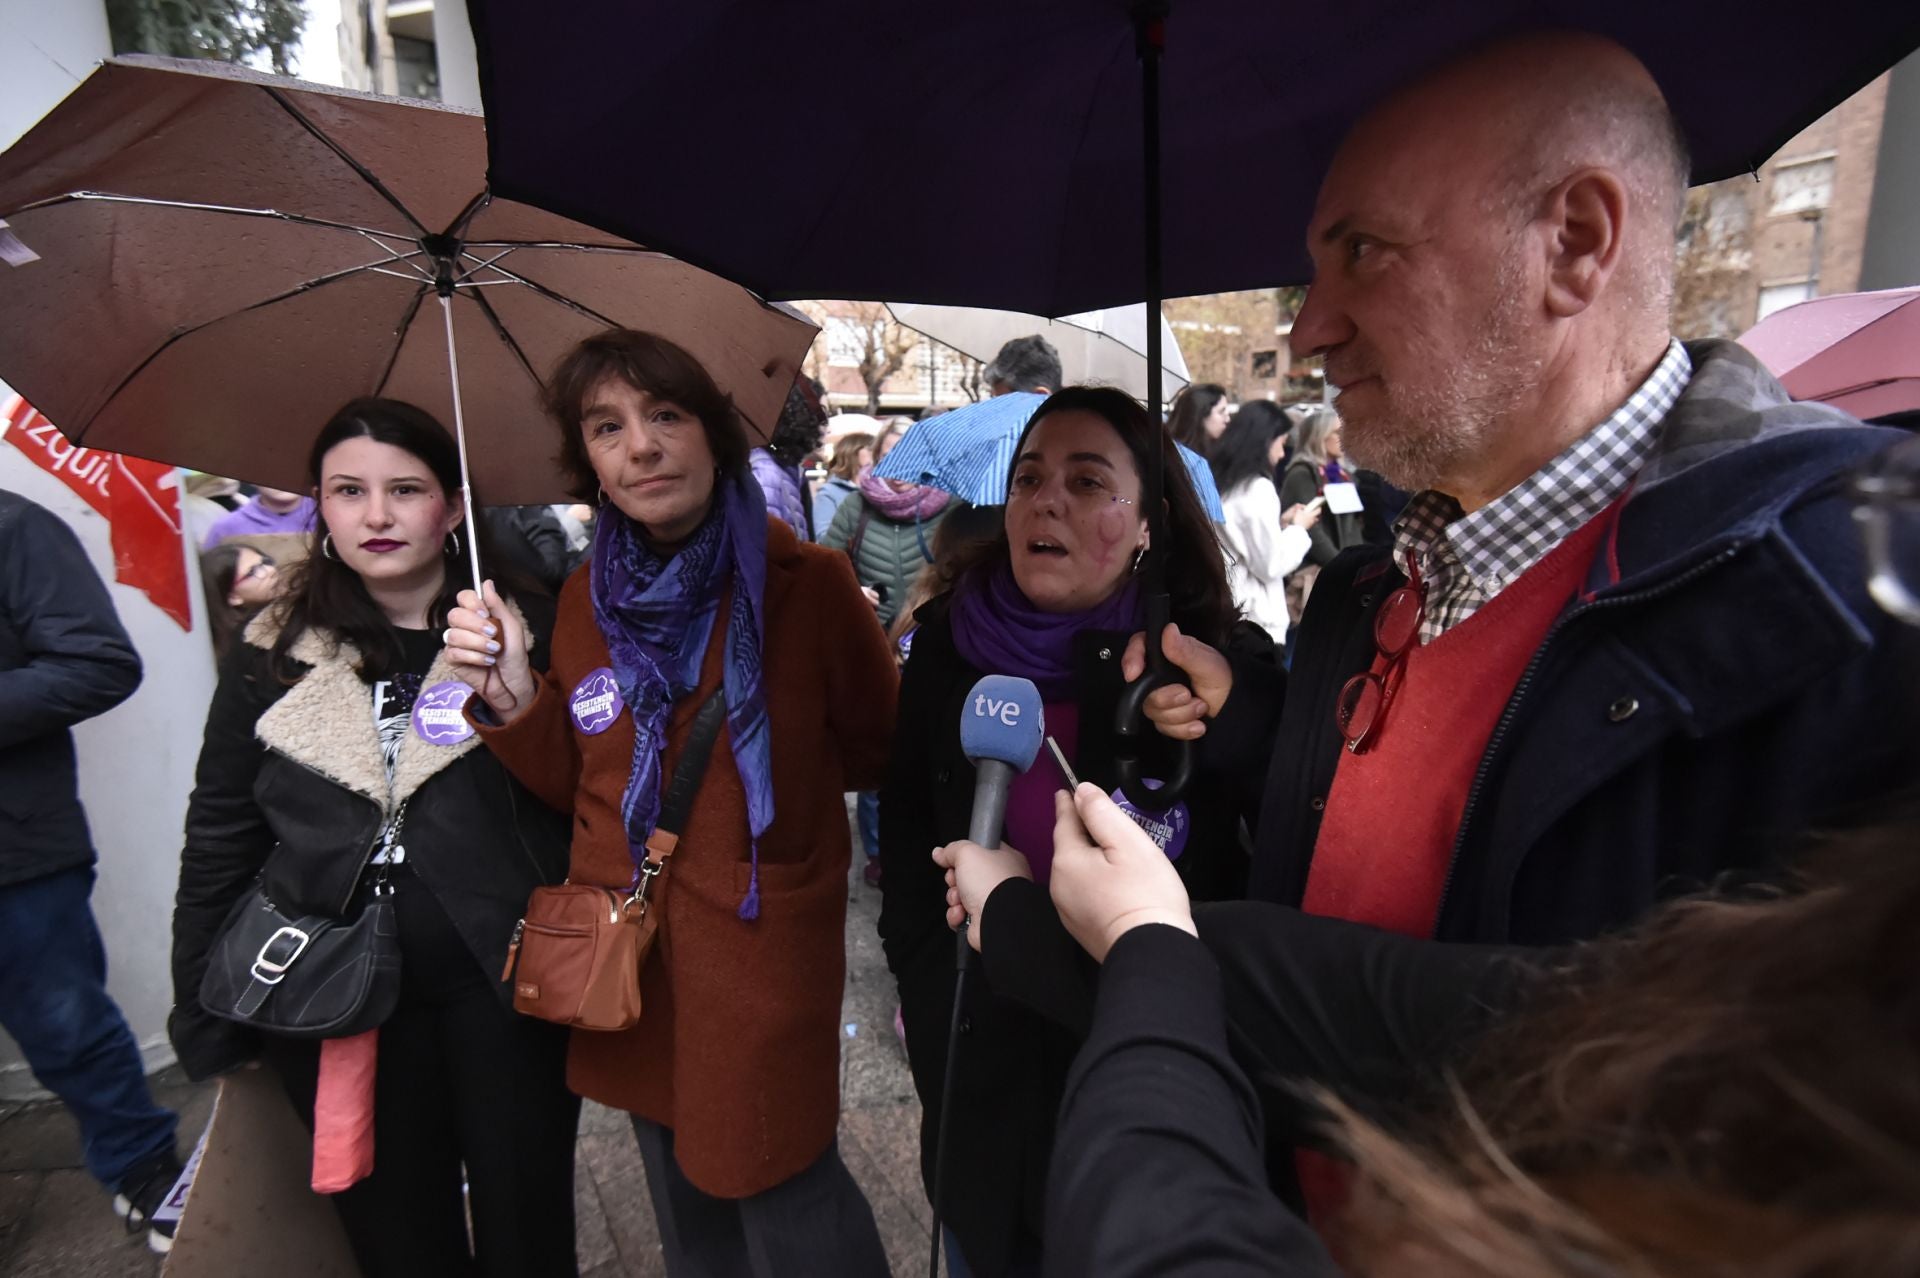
x=292, y=789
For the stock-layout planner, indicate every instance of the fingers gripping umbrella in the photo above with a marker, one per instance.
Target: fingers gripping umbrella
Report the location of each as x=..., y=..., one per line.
x=205, y=262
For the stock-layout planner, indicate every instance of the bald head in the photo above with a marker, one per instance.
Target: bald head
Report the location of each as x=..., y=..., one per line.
x=1512, y=120
x=1493, y=250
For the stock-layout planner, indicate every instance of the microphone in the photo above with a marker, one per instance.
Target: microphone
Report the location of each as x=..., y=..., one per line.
x=1001, y=727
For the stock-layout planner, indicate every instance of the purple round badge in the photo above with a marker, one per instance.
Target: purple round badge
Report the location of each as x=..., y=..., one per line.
x=596, y=702
x=439, y=713
x=1168, y=829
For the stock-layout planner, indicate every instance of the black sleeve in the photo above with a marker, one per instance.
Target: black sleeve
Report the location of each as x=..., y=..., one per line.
x=1299, y=485
x=78, y=660
x=920, y=949
x=1031, y=958
x=1238, y=745
x=1157, y=1166
x=227, y=841
x=1371, y=1015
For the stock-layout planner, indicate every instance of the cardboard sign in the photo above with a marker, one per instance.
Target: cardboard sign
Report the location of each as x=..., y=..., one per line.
x=250, y=1209
x=1342, y=499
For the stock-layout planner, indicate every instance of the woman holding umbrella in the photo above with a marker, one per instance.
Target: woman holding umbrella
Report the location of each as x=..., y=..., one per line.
x=318, y=778
x=1053, y=598
x=694, y=592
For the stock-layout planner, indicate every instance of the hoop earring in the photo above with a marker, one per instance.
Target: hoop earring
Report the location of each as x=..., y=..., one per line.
x=453, y=535
x=603, y=494
x=326, y=547
x=1139, y=557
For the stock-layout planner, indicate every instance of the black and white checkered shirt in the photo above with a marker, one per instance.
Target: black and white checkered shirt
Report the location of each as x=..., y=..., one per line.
x=1468, y=559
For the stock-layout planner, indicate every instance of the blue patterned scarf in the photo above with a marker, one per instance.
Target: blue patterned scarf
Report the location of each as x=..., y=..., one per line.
x=657, y=615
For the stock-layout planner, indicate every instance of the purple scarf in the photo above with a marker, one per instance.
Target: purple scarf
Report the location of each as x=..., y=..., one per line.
x=915, y=501
x=657, y=616
x=997, y=630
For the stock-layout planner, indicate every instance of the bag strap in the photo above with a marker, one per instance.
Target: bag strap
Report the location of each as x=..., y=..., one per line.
x=678, y=803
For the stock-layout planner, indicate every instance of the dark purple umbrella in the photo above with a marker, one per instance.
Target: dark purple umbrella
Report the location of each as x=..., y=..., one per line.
x=988, y=152
x=1010, y=153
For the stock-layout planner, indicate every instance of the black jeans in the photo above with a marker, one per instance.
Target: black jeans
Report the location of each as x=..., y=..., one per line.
x=462, y=1081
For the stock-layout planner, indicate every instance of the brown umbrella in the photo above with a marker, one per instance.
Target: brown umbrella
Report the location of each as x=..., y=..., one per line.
x=201, y=263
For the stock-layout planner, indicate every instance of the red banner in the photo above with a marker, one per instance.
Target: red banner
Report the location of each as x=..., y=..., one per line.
x=140, y=499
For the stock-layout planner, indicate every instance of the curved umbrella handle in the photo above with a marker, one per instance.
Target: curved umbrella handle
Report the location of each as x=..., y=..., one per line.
x=1132, y=727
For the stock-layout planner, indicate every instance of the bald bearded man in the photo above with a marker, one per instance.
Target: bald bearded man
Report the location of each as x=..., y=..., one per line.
x=1622, y=643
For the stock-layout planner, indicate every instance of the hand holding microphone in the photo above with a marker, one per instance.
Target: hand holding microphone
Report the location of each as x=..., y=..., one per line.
x=973, y=872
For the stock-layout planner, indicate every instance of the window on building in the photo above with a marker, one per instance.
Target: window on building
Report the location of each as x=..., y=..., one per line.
x=1775, y=296
x=1801, y=185
x=1266, y=365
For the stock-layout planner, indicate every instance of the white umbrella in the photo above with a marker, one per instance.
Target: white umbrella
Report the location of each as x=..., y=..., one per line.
x=1108, y=347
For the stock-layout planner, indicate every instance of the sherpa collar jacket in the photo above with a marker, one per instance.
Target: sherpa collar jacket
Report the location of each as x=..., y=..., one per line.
x=292, y=789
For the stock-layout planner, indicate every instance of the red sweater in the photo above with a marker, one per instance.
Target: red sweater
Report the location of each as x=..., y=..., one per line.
x=1386, y=840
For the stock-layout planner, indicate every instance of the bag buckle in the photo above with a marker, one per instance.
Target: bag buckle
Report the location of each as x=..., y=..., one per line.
x=269, y=971
x=649, y=871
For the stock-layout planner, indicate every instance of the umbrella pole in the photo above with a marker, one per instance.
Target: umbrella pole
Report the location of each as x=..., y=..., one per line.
x=1150, y=28
x=460, y=440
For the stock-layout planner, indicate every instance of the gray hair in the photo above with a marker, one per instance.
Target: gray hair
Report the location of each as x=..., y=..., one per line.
x=1026, y=364
x=1309, y=434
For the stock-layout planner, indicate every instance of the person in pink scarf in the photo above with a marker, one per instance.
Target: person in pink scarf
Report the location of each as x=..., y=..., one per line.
x=886, y=527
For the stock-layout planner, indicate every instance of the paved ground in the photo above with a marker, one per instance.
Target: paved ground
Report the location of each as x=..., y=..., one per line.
x=55, y=1221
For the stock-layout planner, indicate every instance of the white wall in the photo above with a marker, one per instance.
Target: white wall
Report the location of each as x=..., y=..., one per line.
x=136, y=761
x=455, y=54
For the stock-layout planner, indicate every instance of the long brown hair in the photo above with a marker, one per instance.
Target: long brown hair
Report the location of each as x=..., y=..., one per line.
x=218, y=568
x=1735, y=1088
x=1196, y=572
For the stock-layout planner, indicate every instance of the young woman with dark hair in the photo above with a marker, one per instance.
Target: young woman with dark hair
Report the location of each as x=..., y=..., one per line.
x=238, y=581
x=323, y=778
x=731, y=1077
x=1265, y=542
x=1053, y=597
x=1198, y=416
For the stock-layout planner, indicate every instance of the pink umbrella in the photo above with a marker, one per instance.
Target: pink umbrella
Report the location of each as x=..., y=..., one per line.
x=1857, y=351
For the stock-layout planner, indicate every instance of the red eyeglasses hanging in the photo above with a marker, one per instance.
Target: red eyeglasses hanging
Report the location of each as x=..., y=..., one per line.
x=1362, y=705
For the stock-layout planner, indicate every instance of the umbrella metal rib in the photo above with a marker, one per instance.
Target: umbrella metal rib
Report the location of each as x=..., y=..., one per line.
x=365, y=174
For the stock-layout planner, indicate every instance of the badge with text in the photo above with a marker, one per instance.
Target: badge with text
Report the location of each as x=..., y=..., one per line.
x=1168, y=829
x=596, y=702
x=439, y=713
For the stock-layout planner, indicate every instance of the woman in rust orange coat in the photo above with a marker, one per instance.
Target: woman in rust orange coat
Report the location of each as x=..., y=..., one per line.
x=732, y=1073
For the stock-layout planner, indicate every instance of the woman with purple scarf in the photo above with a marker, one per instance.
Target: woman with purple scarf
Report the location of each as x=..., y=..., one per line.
x=696, y=595
x=1053, y=599
x=1316, y=461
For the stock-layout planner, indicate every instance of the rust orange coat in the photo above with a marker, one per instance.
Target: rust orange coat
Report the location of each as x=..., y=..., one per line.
x=738, y=1045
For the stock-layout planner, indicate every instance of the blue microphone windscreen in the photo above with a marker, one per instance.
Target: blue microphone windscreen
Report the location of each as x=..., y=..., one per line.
x=1003, y=719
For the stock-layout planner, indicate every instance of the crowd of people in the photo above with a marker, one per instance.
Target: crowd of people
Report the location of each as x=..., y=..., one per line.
x=1541, y=904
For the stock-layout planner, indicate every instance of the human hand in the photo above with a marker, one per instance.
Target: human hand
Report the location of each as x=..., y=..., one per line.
x=1108, y=876
x=1304, y=515
x=488, y=649
x=1178, y=711
x=973, y=872
x=873, y=597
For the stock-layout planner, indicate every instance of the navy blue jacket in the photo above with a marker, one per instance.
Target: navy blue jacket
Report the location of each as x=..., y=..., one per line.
x=1733, y=690
x=64, y=658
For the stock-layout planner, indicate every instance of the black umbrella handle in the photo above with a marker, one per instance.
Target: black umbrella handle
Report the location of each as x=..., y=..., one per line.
x=1132, y=727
